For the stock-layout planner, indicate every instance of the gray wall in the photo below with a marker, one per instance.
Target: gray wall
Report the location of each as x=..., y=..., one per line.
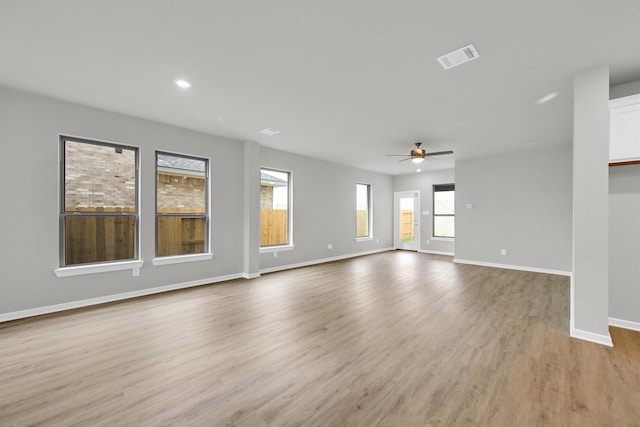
x=624, y=243
x=324, y=208
x=522, y=203
x=29, y=129
x=624, y=231
x=424, y=182
x=29, y=142
x=627, y=89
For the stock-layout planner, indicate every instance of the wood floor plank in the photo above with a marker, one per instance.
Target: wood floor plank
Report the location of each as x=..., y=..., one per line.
x=392, y=339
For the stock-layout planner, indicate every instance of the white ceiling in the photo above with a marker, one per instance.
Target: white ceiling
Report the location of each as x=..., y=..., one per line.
x=343, y=80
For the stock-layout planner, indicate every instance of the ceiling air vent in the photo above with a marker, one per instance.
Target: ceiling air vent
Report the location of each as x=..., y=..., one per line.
x=458, y=56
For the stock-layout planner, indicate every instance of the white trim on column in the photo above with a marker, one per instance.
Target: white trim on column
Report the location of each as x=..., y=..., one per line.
x=590, y=336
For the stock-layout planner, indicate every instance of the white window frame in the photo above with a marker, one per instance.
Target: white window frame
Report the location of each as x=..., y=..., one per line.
x=289, y=245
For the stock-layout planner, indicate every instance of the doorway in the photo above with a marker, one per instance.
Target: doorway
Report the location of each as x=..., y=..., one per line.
x=406, y=219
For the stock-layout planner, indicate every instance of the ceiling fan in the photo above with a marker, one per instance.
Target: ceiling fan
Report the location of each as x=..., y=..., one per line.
x=419, y=154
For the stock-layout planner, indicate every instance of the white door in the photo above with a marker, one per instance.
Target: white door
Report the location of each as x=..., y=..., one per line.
x=406, y=219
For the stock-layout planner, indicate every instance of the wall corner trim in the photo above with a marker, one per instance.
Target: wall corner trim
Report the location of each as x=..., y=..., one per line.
x=38, y=311
x=626, y=324
x=513, y=267
x=590, y=336
x=250, y=275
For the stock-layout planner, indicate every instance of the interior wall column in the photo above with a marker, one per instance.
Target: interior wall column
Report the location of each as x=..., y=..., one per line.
x=590, y=280
x=251, y=211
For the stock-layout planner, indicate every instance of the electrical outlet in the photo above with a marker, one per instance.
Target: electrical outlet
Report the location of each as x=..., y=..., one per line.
x=275, y=254
x=377, y=240
x=135, y=272
x=428, y=242
x=503, y=251
x=329, y=246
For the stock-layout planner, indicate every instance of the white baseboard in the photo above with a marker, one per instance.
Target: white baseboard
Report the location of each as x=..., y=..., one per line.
x=513, y=267
x=590, y=336
x=626, y=324
x=112, y=298
x=21, y=314
x=435, y=252
x=322, y=260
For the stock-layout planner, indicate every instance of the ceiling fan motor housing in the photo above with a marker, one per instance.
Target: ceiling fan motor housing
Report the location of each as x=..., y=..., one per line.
x=418, y=152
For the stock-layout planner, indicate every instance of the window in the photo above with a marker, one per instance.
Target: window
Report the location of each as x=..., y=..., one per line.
x=444, y=210
x=363, y=210
x=181, y=205
x=99, y=202
x=275, y=208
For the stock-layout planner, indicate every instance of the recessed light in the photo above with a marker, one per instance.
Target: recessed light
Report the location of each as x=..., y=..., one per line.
x=418, y=170
x=183, y=83
x=547, y=98
x=269, y=131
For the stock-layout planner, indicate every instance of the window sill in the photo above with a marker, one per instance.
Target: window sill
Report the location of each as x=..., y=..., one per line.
x=178, y=259
x=269, y=249
x=364, y=239
x=79, y=270
x=443, y=239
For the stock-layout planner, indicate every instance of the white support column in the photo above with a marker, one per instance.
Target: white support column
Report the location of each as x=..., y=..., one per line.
x=590, y=280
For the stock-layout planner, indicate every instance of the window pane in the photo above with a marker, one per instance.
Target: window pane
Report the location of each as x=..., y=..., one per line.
x=181, y=184
x=362, y=210
x=93, y=238
x=179, y=235
x=181, y=192
x=444, y=226
x=443, y=202
x=274, y=207
x=406, y=226
x=99, y=178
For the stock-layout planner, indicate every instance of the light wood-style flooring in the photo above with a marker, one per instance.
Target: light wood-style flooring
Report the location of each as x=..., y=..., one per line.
x=392, y=339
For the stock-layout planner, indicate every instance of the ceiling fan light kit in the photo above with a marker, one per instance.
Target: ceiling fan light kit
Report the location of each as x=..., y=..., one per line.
x=418, y=154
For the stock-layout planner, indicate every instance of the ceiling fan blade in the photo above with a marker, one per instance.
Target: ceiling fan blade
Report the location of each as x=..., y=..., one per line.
x=404, y=160
x=439, y=153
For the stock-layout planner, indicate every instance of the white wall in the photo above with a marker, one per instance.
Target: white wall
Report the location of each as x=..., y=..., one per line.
x=424, y=182
x=324, y=209
x=522, y=203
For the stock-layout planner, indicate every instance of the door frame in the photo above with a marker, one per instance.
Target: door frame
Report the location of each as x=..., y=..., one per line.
x=416, y=219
